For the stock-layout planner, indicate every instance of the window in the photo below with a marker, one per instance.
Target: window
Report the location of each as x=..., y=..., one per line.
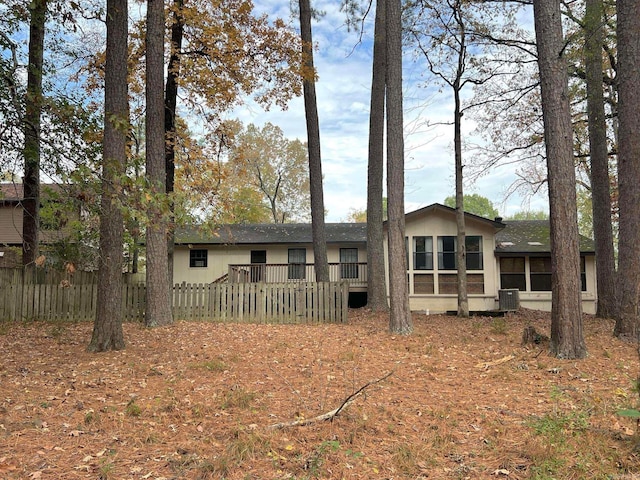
x=423, y=253
x=348, y=263
x=583, y=274
x=448, y=283
x=512, y=274
x=540, y=274
x=423, y=283
x=447, y=251
x=297, y=263
x=198, y=258
x=473, y=245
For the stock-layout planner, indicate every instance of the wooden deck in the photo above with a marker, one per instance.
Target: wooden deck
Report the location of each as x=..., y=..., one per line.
x=355, y=274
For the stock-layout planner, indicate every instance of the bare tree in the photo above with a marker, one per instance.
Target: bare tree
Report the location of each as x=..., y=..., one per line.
x=321, y=264
x=628, y=281
x=107, y=327
x=158, y=305
x=400, y=315
x=567, y=339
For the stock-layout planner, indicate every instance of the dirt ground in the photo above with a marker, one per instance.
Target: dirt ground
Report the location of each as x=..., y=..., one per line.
x=458, y=399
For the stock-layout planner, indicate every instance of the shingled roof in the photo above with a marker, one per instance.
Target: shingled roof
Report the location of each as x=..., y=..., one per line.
x=14, y=192
x=273, y=233
x=531, y=237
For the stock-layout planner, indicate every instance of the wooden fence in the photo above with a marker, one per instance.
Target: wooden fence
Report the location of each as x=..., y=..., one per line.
x=310, y=302
x=45, y=276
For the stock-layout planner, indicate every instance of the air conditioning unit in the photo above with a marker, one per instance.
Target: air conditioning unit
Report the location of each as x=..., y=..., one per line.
x=509, y=299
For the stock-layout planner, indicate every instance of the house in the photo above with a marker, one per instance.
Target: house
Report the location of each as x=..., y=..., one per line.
x=501, y=257
x=55, y=217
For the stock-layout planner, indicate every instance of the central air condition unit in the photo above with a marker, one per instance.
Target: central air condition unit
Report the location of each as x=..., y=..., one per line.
x=509, y=299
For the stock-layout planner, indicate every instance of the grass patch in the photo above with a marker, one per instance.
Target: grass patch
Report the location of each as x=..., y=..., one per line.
x=237, y=398
x=216, y=365
x=133, y=409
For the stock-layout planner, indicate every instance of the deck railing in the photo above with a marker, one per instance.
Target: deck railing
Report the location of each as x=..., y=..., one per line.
x=353, y=273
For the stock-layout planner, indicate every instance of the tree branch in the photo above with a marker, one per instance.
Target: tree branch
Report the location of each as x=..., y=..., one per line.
x=333, y=413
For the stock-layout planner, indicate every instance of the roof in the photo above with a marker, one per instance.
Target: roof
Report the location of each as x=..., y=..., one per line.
x=272, y=233
x=531, y=237
x=434, y=207
x=14, y=192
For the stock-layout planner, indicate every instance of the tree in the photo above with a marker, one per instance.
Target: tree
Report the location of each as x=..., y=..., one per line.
x=220, y=53
x=376, y=211
x=107, y=327
x=628, y=280
x=170, y=112
x=400, y=315
x=274, y=166
x=313, y=145
x=444, y=32
x=528, y=215
x=33, y=113
x=567, y=340
x=158, y=302
x=599, y=159
x=476, y=204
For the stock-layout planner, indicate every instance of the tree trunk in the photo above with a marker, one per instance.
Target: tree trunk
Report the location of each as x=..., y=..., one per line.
x=313, y=144
x=628, y=280
x=32, y=129
x=461, y=255
x=600, y=181
x=567, y=340
x=158, y=305
x=400, y=316
x=376, y=287
x=171, y=102
x=107, y=328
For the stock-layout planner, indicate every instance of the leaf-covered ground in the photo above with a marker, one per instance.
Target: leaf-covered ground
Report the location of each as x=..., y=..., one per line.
x=465, y=399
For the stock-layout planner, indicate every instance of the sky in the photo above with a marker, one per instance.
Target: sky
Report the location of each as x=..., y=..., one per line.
x=343, y=64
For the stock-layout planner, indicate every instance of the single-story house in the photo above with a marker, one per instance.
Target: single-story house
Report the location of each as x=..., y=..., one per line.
x=502, y=257
x=54, y=225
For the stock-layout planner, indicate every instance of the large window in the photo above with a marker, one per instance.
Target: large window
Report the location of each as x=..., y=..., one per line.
x=348, y=263
x=297, y=263
x=198, y=258
x=512, y=273
x=423, y=283
x=474, y=252
x=540, y=268
x=447, y=251
x=448, y=283
x=423, y=253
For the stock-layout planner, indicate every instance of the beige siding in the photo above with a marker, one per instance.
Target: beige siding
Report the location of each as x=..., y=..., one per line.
x=10, y=225
x=221, y=256
x=442, y=223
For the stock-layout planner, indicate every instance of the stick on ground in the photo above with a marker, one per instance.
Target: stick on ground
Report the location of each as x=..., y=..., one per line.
x=333, y=413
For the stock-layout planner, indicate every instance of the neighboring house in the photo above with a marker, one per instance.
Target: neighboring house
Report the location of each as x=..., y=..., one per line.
x=11, y=214
x=501, y=256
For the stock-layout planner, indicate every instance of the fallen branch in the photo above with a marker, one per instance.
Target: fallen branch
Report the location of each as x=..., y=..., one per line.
x=333, y=413
x=486, y=365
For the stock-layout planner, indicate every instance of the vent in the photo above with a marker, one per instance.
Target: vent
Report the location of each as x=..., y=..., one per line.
x=509, y=299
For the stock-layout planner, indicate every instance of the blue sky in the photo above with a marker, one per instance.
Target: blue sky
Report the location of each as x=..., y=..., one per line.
x=344, y=69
